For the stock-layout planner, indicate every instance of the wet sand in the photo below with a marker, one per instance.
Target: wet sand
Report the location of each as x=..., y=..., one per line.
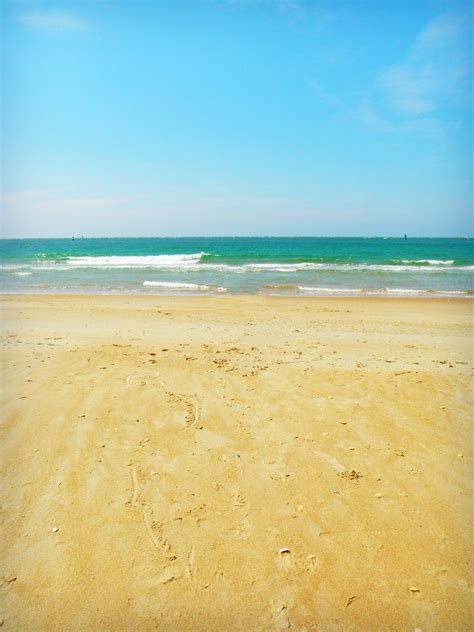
x=253, y=463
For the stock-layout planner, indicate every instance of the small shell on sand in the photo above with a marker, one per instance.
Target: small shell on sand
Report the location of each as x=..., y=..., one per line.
x=54, y=529
x=284, y=551
x=414, y=589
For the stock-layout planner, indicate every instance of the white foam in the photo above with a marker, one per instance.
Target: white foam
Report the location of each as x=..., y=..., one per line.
x=13, y=266
x=402, y=291
x=344, y=267
x=381, y=291
x=193, y=263
x=401, y=268
x=283, y=267
x=189, y=287
x=329, y=290
x=432, y=262
x=145, y=261
x=399, y=290
x=22, y=273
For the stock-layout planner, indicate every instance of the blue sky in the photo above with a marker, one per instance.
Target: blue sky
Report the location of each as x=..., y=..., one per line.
x=236, y=118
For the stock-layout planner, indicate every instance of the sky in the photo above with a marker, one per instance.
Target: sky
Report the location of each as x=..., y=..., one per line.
x=232, y=117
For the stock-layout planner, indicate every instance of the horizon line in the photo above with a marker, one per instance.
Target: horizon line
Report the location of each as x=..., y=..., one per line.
x=398, y=236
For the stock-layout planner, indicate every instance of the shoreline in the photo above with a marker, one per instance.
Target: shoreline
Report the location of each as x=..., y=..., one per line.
x=227, y=296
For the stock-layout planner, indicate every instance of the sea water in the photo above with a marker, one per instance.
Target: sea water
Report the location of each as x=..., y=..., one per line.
x=240, y=265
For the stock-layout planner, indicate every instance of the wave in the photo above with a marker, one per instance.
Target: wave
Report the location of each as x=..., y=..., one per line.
x=14, y=266
x=193, y=287
x=431, y=262
x=332, y=291
x=282, y=288
x=369, y=267
x=347, y=267
x=196, y=265
x=146, y=261
x=199, y=262
x=329, y=290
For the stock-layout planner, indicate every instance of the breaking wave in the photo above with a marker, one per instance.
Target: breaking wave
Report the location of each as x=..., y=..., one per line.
x=143, y=261
x=431, y=262
x=187, y=287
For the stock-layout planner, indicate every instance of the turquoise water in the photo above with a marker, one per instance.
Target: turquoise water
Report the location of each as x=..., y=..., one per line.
x=274, y=265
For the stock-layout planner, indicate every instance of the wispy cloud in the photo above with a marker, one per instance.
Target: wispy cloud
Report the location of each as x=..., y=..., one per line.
x=372, y=116
x=411, y=90
x=55, y=21
x=435, y=71
x=441, y=32
x=413, y=95
x=318, y=14
x=368, y=115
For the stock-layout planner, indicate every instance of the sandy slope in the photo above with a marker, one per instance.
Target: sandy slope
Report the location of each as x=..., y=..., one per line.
x=179, y=443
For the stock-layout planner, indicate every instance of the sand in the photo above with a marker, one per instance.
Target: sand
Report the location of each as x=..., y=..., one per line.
x=231, y=463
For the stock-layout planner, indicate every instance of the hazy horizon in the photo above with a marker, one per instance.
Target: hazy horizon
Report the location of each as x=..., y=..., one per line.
x=79, y=237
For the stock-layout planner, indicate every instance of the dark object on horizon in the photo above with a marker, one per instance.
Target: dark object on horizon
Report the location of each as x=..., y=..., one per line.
x=73, y=238
x=406, y=237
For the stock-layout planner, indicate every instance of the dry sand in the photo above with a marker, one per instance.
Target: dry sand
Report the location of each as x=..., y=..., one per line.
x=158, y=453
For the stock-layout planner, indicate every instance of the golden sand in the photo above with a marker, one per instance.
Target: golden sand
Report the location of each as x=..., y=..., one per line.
x=255, y=463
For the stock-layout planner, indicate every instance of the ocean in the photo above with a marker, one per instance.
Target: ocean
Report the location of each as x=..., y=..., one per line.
x=304, y=266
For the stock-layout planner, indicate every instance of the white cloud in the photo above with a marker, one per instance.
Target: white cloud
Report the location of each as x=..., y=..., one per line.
x=411, y=90
x=56, y=21
x=413, y=96
x=441, y=32
x=367, y=114
x=435, y=71
x=370, y=116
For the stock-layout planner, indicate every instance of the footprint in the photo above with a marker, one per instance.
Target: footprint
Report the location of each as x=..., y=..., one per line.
x=280, y=616
x=243, y=530
x=238, y=501
x=154, y=529
x=285, y=561
x=190, y=563
x=312, y=563
x=168, y=574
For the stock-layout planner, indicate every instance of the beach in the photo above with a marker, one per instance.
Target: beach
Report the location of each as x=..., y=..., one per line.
x=236, y=463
